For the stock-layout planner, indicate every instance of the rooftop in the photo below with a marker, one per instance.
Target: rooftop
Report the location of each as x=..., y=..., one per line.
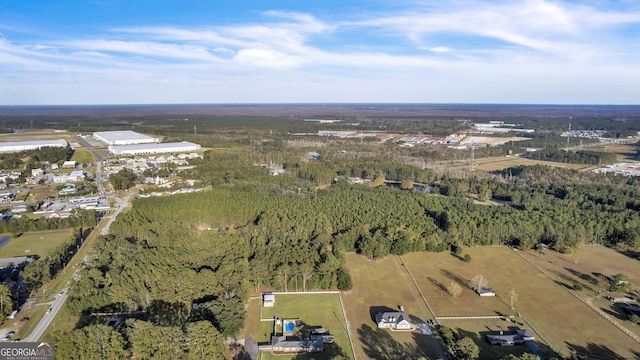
x=123, y=135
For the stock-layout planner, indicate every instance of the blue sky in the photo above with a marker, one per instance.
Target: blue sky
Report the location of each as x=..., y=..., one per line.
x=289, y=51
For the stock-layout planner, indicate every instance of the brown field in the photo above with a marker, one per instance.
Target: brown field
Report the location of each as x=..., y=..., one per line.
x=28, y=135
x=625, y=152
x=500, y=164
x=583, y=266
x=382, y=285
x=557, y=315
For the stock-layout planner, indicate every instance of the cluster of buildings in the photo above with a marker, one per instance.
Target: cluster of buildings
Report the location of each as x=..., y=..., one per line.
x=590, y=134
x=411, y=141
x=620, y=168
x=139, y=164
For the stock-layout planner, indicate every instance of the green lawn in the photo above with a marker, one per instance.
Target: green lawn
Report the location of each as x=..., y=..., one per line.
x=565, y=321
x=34, y=314
x=34, y=243
x=314, y=310
x=82, y=156
x=383, y=285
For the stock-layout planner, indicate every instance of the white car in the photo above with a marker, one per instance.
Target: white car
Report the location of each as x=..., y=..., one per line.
x=49, y=310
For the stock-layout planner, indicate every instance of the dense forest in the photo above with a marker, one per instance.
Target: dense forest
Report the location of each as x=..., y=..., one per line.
x=574, y=157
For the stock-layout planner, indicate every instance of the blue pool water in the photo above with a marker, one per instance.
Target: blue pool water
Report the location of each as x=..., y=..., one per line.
x=289, y=326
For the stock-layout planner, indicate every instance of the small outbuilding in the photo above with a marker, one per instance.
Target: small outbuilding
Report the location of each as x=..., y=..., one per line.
x=485, y=291
x=268, y=300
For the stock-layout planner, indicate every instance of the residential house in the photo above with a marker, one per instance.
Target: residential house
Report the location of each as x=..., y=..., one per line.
x=393, y=320
x=280, y=344
x=509, y=339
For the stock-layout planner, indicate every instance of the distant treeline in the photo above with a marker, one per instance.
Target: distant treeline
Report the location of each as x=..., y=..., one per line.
x=574, y=157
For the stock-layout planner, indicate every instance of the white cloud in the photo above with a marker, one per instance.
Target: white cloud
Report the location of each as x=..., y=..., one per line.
x=266, y=58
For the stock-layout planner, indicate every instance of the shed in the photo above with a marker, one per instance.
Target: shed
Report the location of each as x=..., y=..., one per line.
x=268, y=300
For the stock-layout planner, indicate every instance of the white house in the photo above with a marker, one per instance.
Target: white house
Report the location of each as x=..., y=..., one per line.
x=393, y=320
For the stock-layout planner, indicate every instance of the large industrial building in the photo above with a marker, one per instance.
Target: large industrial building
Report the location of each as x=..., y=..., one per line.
x=126, y=137
x=145, y=149
x=30, y=145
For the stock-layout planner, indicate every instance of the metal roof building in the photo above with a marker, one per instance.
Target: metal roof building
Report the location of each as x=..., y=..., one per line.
x=30, y=145
x=126, y=137
x=143, y=149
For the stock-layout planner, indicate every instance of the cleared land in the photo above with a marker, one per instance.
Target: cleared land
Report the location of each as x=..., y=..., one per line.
x=314, y=310
x=583, y=267
x=82, y=156
x=565, y=321
x=500, y=164
x=34, y=243
x=383, y=285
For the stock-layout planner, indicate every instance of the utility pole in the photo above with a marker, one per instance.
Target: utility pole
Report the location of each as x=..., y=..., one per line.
x=473, y=154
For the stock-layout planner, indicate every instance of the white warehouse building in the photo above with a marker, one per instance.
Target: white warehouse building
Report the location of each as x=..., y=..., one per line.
x=144, y=149
x=17, y=146
x=126, y=137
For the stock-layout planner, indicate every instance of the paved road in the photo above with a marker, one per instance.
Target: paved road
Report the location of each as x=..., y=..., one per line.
x=46, y=320
x=62, y=297
x=4, y=240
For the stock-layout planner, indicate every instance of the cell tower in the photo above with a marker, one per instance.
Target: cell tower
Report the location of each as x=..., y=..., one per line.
x=473, y=157
x=194, y=130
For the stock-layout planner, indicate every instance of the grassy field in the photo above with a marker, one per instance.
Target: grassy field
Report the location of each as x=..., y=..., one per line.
x=383, y=285
x=478, y=329
x=82, y=156
x=315, y=310
x=561, y=318
x=584, y=266
x=34, y=243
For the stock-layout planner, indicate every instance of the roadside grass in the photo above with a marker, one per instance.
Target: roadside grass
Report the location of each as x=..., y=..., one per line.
x=566, y=322
x=251, y=327
x=82, y=156
x=34, y=243
x=64, y=320
x=35, y=314
x=478, y=329
x=583, y=267
x=383, y=285
x=315, y=310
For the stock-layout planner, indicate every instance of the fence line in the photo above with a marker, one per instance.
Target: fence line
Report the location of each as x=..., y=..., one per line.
x=344, y=314
x=472, y=317
x=593, y=307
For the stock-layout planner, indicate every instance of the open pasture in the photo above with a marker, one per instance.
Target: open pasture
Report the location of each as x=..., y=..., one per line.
x=478, y=329
x=562, y=319
x=34, y=243
x=314, y=310
x=584, y=267
x=383, y=285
